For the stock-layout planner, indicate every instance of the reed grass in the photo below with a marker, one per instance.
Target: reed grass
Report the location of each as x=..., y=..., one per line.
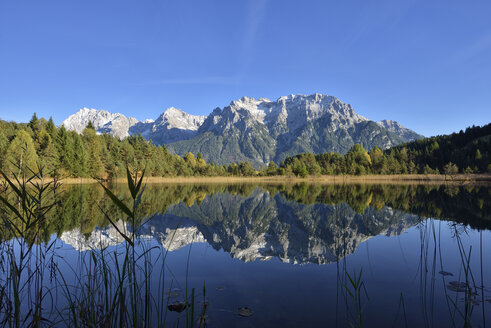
x=107, y=288
x=24, y=211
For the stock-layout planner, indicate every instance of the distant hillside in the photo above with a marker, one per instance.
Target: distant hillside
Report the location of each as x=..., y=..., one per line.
x=469, y=149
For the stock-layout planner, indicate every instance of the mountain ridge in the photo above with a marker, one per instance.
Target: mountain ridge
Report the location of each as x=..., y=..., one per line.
x=255, y=130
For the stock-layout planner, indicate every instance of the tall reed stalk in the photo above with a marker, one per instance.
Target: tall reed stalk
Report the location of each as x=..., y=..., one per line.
x=109, y=287
x=23, y=268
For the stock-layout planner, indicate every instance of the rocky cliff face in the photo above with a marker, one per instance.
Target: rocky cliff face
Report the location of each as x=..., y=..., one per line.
x=172, y=125
x=397, y=128
x=117, y=124
x=258, y=131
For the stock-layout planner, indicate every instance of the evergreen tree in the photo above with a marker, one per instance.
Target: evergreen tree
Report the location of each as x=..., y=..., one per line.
x=48, y=157
x=34, y=124
x=80, y=157
x=66, y=152
x=95, y=167
x=51, y=128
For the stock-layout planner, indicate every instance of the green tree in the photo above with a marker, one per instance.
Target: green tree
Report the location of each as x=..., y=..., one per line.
x=66, y=152
x=48, y=157
x=246, y=169
x=34, y=124
x=90, y=126
x=51, y=128
x=190, y=160
x=233, y=169
x=272, y=169
x=378, y=160
x=79, y=167
x=21, y=155
x=450, y=169
x=95, y=167
x=299, y=168
x=313, y=168
x=4, y=143
x=358, y=160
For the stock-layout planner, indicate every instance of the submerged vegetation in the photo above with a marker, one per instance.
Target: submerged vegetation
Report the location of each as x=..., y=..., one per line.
x=64, y=153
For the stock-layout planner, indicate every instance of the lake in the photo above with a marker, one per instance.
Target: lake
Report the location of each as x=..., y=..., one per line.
x=247, y=255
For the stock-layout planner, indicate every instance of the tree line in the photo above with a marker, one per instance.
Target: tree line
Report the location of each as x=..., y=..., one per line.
x=467, y=152
x=39, y=145
x=28, y=148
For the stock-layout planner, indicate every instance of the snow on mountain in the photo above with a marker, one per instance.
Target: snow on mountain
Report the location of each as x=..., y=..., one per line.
x=291, y=111
x=117, y=124
x=172, y=125
x=255, y=130
x=260, y=131
x=174, y=118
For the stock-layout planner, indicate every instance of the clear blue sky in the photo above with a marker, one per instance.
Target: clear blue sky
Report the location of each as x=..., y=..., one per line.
x=426, y=64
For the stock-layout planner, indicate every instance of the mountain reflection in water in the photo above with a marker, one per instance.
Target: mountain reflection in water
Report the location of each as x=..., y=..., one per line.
x=260, y=226
x=240, y=241
x=296, y=223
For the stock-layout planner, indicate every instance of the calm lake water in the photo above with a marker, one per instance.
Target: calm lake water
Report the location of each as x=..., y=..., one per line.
x=292, y=255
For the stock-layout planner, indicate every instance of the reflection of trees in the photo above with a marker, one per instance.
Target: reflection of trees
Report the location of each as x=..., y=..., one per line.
x=469, y=204
x=79, y=204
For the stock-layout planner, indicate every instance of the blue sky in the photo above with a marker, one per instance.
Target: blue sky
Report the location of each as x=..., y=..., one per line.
x=426, y=64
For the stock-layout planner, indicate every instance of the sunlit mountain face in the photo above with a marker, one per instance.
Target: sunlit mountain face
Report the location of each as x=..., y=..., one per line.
x=255, y=130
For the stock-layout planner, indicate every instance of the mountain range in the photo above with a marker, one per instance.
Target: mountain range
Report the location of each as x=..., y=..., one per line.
x=254, y=130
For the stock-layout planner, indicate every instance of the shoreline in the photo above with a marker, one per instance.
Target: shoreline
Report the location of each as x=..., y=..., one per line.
x=324, y=179
x=330, y=179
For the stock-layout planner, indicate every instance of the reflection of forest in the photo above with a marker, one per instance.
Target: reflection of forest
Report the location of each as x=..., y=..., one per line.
x=79, y=204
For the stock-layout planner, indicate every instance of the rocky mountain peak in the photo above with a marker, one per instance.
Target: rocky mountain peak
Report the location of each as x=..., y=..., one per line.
x=255, y=130
x=397, y=128
x=174, y=118
x=104, y=122
x=390, y=124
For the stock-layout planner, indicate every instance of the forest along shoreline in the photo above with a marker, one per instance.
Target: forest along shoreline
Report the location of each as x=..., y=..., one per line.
x=457, y=179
